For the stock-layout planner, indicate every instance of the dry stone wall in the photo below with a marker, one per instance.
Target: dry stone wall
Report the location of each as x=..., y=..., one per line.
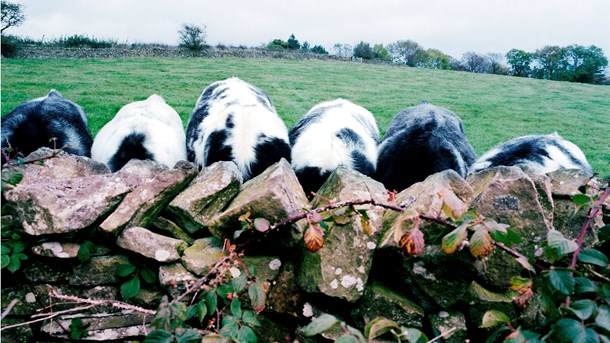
x=174, y=221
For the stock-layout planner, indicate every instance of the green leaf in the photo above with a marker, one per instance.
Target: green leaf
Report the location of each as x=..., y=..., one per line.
x=250, y=319
x=191, y=312
x=6, y=260
x=229, y=327
x=83, y=253
x=18, y=246
x=319, y=325
x=202, y=311
x=246, y=335
x=454, y=239
x=148, y=275
x=493, y=318
x=15, y=263
x=187, y=336
x=413, y=335
x=562, y=281
x=584, y=285
x=240, y=282
x=211, y=299
x=481, y=243
x=592, y=256
x=224, y=290
x=569, y=330
x=5, y=249
x=378, y=327
x=78, y=329
x=602, y=319
x=258, y=297
x=125, y=269
x=581, y=199
x=583, y=309
x=158, y=336
x=131, y=288
x=236, y=308
x=347, y=338
x=555, y=239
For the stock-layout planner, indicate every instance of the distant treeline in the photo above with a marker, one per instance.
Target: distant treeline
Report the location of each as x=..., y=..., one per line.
x=573, y=63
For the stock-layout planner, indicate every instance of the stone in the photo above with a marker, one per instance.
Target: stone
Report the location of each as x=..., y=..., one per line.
x=483, y=300
x=49, y=203
x=275, y=195
x=65, y=249
x=152, y=245
x=568, y=182
x=285, y=296
x=47, y=271
x=100, y=270
x=166, y=226
x=58, y=164
x=31, y=298
x=426, y=197
x=176, y=279
x=141, y=206
x=450, y=325
x=200, y=257
x=497, y=269
x=380, y=301
x=340, y=268
x=444, y=278
x=206, y=196
x=103, y=326
x=267, y=267
x=510, y=196
x=17, y=334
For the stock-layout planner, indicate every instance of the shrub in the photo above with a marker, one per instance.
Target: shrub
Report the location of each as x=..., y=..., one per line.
x=10, y=45
x=318, y=49
x=192, y=37
x=277, y=44
x=83, y=41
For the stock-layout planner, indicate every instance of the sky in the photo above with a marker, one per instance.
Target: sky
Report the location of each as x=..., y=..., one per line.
x=452, y=26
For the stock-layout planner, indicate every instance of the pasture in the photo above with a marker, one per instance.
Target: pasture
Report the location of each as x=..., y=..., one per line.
x=493, y=108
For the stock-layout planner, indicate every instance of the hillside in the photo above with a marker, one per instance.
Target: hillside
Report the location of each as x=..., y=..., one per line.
x=493, y=108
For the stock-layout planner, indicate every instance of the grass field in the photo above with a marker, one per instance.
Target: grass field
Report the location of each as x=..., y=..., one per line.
x=493, y=108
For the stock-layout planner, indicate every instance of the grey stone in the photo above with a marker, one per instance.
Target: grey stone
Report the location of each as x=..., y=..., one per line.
x=103, y=326
x=141, y=206
x=508, y=195
x=451, y=325
x=340, y=268
x=200, y=257
x=285, y=296
x=166, y=226
x=380, y=301
x=483, y=300
x=176, y=279
x=150, y=244
x=426, y=197
x=49, y=203
x=267, y=267
x=207, y=195
x=100, y=270
x=275, y=195
x=18, y=334
x=567, y=182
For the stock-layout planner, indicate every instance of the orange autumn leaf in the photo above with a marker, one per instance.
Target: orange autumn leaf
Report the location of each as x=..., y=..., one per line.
x=412, y=242
x=314, y=238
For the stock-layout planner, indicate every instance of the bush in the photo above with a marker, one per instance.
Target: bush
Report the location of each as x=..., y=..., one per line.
x=277, y=44
x=192, y=37
x=318, y=49
x=83, y=41
x=10, y=45
x=364, y=50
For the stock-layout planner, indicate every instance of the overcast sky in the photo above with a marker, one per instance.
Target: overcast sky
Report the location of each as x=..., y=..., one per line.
x=452, y=26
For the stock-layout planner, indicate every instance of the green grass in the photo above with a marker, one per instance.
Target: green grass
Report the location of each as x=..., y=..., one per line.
x=493, y=108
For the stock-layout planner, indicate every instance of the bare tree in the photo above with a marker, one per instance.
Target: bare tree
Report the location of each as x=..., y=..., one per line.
x=475, y=63
x=343, y=50
x=12, y=15
x=192, y=36
x=496, y=65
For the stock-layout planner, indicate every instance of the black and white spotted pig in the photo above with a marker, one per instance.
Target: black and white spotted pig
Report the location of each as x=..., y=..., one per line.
x=332, y=134
x=536, y=154
x=422, y=140
x=235, y=121
x=146, y=130
x=50, y=121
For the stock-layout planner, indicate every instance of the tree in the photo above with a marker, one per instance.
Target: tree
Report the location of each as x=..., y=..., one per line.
x=381, y=52
x=192, y=36
x=586, y=65
x=343, y=50
x=12, y=15
x=475, y=63
x=364, y=50
x=552, y=63
x=277, y=44
x=519, y=62
x=305, y=46
x=495, y=64
x=406, y=52
x=293, y=43
x=318, y=49
x=434, y=59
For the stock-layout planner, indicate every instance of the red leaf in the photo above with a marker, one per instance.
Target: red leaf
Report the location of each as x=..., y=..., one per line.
x=314, y=238
x=412, y=242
